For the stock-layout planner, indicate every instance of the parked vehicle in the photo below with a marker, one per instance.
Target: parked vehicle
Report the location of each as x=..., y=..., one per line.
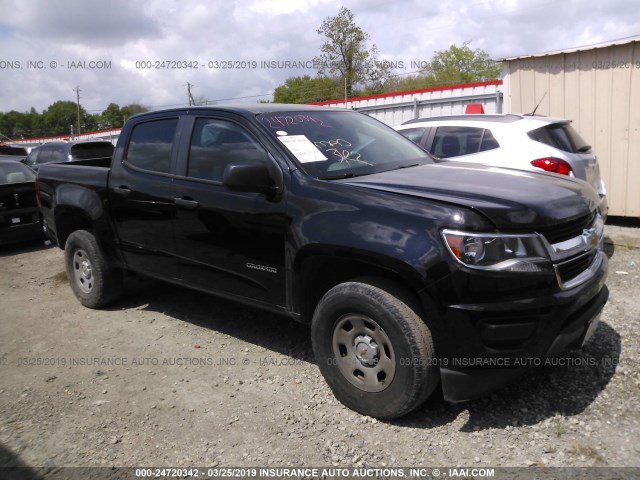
x=58, y=152
x=19, y=214
x=516, y=141
x=412, y=274
x=11, y=152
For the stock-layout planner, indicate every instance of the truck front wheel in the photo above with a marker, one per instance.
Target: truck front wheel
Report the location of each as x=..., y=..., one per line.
x=373, y=350
x=93, y=282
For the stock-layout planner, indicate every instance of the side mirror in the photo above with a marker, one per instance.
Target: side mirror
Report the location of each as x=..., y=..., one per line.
x=248, y=177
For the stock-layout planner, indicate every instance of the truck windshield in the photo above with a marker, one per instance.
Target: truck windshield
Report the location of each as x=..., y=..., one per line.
x=342, y=144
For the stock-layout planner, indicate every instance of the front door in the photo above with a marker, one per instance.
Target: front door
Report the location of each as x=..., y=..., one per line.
x=231, y=242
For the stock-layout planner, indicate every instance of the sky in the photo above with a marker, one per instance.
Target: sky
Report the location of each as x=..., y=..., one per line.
x=237, y=51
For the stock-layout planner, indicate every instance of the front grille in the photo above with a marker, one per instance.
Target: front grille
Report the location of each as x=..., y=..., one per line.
x=572, y=268
x=565, y=231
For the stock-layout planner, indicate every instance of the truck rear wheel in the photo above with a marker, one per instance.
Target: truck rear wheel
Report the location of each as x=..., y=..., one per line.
x=373, y=350
x=93, y=282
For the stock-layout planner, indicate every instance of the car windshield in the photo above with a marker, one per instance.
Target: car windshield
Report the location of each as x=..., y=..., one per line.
x=15, y=172
x=342, y=144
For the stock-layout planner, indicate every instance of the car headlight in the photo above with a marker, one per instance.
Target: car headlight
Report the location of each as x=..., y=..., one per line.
x=498, y=252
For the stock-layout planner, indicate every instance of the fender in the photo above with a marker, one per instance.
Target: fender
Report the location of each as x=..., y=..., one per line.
x=76, y=207
x=80, y=197
x=318, y=267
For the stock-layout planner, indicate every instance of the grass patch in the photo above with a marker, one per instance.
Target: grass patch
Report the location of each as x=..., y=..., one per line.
x=588, y=452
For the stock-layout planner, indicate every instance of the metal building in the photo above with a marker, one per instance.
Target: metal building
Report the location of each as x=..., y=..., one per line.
x=396, y=108
x=598, y=87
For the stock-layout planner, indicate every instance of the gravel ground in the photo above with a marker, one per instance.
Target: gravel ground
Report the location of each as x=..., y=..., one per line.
x=169, y=377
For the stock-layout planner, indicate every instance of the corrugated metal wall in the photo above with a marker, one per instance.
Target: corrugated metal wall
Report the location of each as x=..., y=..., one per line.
x=396, y=108
x=599, y=89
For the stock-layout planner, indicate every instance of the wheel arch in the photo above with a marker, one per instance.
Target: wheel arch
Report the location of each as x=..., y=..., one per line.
x=69, y=219
x=318, y=269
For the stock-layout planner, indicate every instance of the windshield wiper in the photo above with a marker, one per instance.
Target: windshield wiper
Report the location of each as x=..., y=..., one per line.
x=338, y=176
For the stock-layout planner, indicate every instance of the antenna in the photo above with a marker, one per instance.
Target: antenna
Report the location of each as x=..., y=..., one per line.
x=535, y=109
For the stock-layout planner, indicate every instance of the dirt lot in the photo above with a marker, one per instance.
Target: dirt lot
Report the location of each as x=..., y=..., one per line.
x=168, y=377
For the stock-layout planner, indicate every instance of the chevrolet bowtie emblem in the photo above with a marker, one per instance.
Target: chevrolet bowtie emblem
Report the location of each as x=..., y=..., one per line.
x=590, y=238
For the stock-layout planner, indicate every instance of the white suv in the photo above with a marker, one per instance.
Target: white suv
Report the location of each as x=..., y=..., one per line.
x=515, y=141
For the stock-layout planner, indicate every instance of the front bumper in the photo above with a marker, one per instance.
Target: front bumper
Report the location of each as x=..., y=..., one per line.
x=603, y=207
x=484, y=345
x=460, y=384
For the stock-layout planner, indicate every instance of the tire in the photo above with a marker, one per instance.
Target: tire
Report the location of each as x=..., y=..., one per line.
x=93, y=282
x=373, y=350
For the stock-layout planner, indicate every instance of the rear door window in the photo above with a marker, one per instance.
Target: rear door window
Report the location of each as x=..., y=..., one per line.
x=561, y=136
x=151, y=144
x=451, y=142
x=45, y=155
x=58, y=154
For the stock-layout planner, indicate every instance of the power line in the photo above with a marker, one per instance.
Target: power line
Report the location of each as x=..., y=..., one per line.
x=320, y=92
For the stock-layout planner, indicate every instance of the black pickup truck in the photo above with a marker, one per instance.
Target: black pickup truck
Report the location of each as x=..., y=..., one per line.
x=412, y=274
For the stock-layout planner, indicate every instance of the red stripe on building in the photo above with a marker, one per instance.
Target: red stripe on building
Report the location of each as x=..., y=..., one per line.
x=411, y=92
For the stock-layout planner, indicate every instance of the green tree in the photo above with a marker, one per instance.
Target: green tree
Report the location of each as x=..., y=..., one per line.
x=16, y=124
x=133, y=109
x=411, y=82
x=345, y=56
x=61, y=115
x=461, y=65
x=37, y=123
x=111, y=117
x=306, y=89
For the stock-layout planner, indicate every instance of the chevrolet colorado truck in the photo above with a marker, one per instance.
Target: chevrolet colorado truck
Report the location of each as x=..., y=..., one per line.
x=413, y=275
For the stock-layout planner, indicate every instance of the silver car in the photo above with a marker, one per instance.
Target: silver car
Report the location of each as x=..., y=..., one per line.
x=515, y=141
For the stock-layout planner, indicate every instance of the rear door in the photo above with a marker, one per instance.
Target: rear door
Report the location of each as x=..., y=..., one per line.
x=142, y=205
x=231, y=242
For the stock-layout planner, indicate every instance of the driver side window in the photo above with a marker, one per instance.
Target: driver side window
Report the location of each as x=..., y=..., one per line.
x=215, y=143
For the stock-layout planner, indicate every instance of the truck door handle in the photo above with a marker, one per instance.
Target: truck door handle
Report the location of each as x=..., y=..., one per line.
x=186, y=203
x=122, y=191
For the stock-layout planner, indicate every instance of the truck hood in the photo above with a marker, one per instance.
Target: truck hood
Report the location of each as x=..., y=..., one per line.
x=508, y=198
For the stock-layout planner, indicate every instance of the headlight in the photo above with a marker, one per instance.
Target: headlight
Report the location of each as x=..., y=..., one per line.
x=504, y=253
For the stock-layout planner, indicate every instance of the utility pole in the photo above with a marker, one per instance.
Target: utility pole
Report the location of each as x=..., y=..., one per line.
x=192, y=102
x=345, y=91
x=77, y=90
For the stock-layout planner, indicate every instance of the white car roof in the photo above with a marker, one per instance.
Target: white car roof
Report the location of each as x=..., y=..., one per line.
x=495, y=122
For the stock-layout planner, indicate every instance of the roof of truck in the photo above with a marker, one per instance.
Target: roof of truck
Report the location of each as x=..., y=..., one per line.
x=249, y=108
